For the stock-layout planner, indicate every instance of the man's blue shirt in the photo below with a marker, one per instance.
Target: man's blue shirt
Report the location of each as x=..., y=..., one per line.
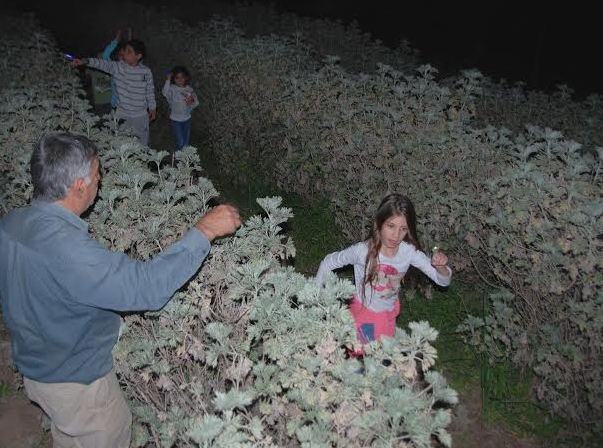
x=60, y=290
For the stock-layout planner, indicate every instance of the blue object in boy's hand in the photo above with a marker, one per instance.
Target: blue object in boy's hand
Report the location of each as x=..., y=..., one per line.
x=167, y=72
x=366, y=332
x=69, y=56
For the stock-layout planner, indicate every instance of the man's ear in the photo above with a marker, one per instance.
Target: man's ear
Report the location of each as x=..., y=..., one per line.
x=78, y=187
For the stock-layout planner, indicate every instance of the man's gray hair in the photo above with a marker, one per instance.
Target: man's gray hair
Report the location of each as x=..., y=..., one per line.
x=57, y=161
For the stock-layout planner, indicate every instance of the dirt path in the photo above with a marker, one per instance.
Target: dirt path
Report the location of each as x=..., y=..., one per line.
x=469, y=430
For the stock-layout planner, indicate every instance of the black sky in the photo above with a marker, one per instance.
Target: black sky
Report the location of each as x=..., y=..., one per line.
x=540, y=44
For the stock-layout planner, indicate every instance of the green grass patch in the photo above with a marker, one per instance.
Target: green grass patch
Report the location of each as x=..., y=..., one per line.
x=506, y=395
x=313, y=227
x=507, y=399
x=445, y=311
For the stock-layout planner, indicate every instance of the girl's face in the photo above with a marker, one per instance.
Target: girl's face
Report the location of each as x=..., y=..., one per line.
x=180, y=79
x=393, y=232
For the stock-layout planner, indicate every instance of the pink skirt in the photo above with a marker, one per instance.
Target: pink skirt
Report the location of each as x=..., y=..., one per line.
x=371, y=325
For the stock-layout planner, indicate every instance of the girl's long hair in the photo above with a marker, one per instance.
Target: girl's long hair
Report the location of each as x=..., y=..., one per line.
x=391, y=205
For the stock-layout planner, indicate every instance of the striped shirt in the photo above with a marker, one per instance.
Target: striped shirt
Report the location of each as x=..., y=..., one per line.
x=134, y=85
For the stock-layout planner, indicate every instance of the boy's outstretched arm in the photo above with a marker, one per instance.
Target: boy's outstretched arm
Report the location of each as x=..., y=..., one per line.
x=77, y=62
x=105, y=66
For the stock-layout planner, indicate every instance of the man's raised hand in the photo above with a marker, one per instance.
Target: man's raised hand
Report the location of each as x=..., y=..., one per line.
x=219, y=221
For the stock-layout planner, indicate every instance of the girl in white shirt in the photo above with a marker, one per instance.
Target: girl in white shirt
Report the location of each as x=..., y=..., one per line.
x=182, y=99
x=380, y=264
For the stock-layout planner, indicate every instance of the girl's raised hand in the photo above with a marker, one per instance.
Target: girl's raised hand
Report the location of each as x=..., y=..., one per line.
x=439, y=259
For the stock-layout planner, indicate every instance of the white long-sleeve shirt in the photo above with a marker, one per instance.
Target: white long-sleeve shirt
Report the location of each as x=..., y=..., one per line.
x=176, y=97
x=382, y=295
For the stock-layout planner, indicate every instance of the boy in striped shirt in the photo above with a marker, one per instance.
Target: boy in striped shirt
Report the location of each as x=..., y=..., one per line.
x=134, y=84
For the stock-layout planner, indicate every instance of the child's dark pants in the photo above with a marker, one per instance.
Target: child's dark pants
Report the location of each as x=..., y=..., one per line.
x=182, y=133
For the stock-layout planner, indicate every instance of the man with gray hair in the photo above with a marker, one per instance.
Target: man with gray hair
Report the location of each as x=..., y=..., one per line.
x=61, y=290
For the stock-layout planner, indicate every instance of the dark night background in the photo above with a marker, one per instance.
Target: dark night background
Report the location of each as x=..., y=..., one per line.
x=542, y=45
